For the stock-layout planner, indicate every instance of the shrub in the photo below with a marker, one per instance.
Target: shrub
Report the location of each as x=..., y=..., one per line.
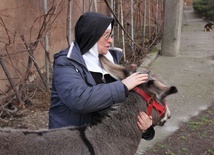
x=204, y=8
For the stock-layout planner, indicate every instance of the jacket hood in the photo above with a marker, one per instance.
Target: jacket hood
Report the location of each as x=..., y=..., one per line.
x=89, y=28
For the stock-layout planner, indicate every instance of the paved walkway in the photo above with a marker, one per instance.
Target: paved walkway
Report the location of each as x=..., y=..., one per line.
x=192, y=72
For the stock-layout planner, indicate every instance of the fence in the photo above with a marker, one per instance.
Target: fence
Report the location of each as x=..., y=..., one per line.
x=32, y=31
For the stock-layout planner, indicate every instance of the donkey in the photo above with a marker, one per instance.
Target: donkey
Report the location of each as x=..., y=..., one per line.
x=115, y=133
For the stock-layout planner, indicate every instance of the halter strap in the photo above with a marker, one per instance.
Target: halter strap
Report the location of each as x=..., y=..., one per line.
x=151, y=102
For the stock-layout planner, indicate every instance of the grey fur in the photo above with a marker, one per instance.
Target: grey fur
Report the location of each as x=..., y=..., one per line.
x=116, y=133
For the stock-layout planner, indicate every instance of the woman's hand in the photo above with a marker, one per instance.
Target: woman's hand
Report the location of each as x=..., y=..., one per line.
x=144, y=121
x=134, y=80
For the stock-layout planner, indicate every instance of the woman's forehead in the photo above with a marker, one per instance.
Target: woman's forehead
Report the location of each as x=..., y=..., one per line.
x=107, y=31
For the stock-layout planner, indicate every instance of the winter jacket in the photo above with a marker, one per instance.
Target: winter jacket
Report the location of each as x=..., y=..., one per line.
x=75, y=94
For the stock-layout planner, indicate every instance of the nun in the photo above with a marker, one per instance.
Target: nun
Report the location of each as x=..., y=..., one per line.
x=81, y=87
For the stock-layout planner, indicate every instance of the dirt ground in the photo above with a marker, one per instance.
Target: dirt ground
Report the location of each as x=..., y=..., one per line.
x=195, y=137
x=34, y=116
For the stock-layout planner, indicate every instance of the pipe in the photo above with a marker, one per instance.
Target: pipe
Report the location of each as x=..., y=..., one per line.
x=132, y=23
x=47, y=64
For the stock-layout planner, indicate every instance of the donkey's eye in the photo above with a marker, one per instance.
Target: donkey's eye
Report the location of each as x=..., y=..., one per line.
x=153, y=96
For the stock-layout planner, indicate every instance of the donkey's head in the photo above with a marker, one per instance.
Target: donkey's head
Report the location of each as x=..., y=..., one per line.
x=154, y=91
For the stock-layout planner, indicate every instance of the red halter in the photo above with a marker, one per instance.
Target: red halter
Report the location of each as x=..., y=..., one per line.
x=151, y=102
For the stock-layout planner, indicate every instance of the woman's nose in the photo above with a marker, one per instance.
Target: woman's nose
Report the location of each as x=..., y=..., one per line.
x=110, y=39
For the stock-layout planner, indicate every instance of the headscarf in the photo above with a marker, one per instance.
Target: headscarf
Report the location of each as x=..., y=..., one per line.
x=92, y=61
x=89, y=28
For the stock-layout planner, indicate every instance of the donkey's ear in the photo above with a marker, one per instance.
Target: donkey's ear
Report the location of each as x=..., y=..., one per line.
x=131, y=67
x=150, y=83
x=116, y=71
x=171, y=90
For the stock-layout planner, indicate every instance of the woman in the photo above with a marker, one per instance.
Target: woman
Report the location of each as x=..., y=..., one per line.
x=81, y=87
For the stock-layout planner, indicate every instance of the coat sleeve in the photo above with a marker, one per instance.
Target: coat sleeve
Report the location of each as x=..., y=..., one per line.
x=73, y=91
x=149, y=134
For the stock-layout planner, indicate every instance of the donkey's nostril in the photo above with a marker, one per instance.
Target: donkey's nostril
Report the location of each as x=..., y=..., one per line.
x=162, y=123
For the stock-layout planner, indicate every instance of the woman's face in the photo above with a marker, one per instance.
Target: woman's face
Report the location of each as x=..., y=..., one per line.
x=104, y=42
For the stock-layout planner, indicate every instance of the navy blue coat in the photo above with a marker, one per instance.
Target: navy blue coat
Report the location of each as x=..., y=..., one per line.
x=75, y=94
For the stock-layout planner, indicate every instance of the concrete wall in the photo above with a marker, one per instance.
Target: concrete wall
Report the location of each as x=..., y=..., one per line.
x=173, y=11
x=25, y=17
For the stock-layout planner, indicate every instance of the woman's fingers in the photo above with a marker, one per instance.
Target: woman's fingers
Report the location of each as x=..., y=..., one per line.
x=144, y=121
x=134, y=80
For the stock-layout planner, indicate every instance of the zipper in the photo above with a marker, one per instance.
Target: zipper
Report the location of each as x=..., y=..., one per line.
x=103, y=78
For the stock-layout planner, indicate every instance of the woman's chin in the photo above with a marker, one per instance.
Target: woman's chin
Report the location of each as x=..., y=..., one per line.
x=104, y=52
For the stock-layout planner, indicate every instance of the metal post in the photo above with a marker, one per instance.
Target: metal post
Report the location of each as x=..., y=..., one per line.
x=83, y=3
x=157, y=14
x=123, y=37
x=144, y=22
x=90, y=5
x=95, y=5
x=47, y=65
x=112, y=6
x=118, y=28
x=69, y=20
x=132, y=23
x=149, y=21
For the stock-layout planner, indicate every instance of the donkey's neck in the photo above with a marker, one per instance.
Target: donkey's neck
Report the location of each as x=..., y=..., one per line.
x=121, y=127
